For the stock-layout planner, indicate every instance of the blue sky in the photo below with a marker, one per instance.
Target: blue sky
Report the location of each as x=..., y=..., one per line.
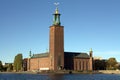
x=24, y=25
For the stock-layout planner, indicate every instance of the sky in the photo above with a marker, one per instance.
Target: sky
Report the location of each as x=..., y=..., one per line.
x=24, y=26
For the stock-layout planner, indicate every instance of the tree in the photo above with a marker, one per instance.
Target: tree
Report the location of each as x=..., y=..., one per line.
x=15, y=63
x=10, y=67
x=111, y=64
x=18, y=62
x=99, y=64
x=1, y=66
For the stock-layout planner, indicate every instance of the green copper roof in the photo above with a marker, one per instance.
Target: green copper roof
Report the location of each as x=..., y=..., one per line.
x=40, y=55
x=56, y=19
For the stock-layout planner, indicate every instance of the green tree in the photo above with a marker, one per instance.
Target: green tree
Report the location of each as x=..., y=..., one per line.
x=111, y=64
x=10, y=67
x=15, y=64
x=18, y=62
x=1, y=66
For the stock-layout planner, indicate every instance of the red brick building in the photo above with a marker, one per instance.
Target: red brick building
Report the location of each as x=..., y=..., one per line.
x=56, y=58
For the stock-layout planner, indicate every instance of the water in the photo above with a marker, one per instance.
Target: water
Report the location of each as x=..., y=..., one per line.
x=10, y=76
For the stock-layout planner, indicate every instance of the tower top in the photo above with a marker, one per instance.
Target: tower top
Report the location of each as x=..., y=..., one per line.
x=56, y=11
x=56, y=4
x=56, y=19
x=30, y=54
x=91, y=50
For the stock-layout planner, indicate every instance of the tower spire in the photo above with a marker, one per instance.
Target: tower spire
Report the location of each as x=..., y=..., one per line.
x=56, y=20
x=90, y=49
x=56, y=11
x=30, y=53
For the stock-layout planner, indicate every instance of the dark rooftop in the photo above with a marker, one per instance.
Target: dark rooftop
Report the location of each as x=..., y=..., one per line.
x=66, y=54
x=76, y=54
x=40, y=55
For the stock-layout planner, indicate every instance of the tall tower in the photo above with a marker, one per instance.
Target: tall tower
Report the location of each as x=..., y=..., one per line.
x=56, y=43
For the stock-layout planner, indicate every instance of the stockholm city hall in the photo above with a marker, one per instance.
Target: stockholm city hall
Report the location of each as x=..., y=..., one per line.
x=57, y=58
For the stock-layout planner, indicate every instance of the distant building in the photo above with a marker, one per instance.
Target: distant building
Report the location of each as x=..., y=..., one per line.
x=97, y=58
x=25, y=62
x=56, y=58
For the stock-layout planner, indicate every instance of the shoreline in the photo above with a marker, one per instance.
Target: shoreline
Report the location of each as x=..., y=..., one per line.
x=67, y=72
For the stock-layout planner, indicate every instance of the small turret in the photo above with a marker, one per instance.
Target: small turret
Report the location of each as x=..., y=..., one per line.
x=91, y=59
x=90, y=53
x=30, y=54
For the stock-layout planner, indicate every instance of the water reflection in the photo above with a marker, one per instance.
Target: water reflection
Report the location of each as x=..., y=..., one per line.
x=59, y=76
x=56, y=76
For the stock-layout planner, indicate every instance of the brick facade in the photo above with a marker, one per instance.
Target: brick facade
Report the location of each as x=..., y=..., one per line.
x=77, y=61
x=91, y=60
x=56, y=47
x=81, y=64
x=39, y=64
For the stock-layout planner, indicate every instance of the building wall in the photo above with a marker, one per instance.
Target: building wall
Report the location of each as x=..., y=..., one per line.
x=56, y=47
x=25, y=61
x=69, y=62
x=81, y=64
x=45, y=64
x=91, y=60
x=39, y=63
